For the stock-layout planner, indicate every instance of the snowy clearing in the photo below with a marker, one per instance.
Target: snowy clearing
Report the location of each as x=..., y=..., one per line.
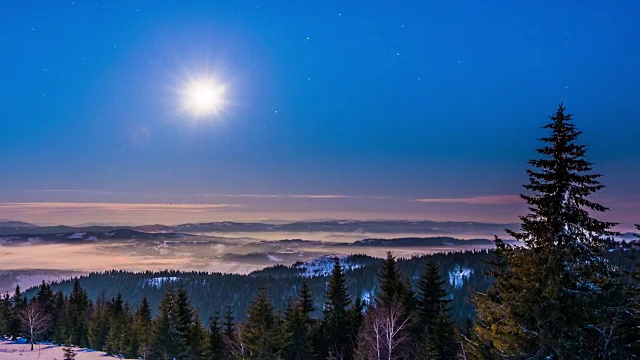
x=13, y=350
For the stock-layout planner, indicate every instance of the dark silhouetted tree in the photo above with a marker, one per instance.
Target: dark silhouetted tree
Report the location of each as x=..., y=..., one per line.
x=216, y=349
x=260, y=334
x=558, y=297
x=436, y=334
x=168, y=342
x=297, y=332
x=336, y=323
x=76, y=319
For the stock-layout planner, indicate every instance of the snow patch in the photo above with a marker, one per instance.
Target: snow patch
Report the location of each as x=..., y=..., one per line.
x=323, y=266
x=159, y=281
x=367, y=296
x=458, y=275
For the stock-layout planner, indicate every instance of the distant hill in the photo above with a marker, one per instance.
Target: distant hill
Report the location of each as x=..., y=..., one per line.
x=425, y=227
x=422, y=242
x=16, y=224
x=89, y=235
x=356, y=226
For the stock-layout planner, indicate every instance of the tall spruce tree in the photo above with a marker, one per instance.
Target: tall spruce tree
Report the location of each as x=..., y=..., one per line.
x=198, y=338
x=5, y=314
x=190, y=329
x=119, y=327
x=168, y=342
x=76, y=326
x=216, y=349
x=557, y=296
x=435, y=333
x=298, y=341
x=141, y=328
x=229, y=325
x=432, y=297
x=305, y=298
x=336, y=324
x=19, y=303
x=394, y=288
x=57, y=323
x=99, y=324
x=260, y=333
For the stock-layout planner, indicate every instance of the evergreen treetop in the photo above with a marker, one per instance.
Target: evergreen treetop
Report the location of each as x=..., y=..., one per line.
x=552, y=297
x=560, y=182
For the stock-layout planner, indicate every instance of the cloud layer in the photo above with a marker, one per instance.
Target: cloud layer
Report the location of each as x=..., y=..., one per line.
x=476, y=200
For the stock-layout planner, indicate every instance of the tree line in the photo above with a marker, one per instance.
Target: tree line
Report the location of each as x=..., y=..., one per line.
x=400, y=324
x=556, y=296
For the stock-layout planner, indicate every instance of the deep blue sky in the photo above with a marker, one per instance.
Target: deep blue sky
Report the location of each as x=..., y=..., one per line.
x=377, y=102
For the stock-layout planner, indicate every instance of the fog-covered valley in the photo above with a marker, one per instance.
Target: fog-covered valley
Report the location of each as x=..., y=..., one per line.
x=32, y=253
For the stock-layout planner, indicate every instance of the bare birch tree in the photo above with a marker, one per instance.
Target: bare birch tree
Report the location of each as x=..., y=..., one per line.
x=384, y=334
x=35, y=321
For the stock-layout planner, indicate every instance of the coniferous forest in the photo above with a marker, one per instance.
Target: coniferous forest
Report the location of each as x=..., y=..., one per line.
x=566, y=291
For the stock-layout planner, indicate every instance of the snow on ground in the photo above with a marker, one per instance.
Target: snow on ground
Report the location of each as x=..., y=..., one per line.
x=13, y=350
x=323, y=265
x=159, y=281
x=458, y=275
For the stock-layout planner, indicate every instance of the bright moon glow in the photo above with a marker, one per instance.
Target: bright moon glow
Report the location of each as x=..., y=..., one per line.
x=203, y=97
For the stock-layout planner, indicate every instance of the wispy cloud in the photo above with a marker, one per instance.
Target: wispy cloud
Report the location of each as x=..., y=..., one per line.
x=476, y=200
x=81, y=206
x=282, y=196
x=77, y=191
x=300, y=196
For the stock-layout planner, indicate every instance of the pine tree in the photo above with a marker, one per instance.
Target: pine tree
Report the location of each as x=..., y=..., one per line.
x=185, y=323
x=197, y=341
x=119, y=321
x=298, y=326
x=305, y=298
x=14, y=318
x=557, y=295
x=216, y=349
x=435, y=331
x=297, y=344
x=336, y=329
x=69, y=353
x=141, y=328
x=99, y=325
x=57, y=323
x=229, y=326
x=45, y=297
x=260, y=333
x=76, y=317
x=5, y=314
x=391, y=283
x=432, y=297
x=168, y=342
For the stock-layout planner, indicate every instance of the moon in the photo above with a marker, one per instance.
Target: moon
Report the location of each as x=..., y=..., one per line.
x=202, y=98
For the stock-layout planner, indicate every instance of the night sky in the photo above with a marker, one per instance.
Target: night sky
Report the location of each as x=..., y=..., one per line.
x=330, y=109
